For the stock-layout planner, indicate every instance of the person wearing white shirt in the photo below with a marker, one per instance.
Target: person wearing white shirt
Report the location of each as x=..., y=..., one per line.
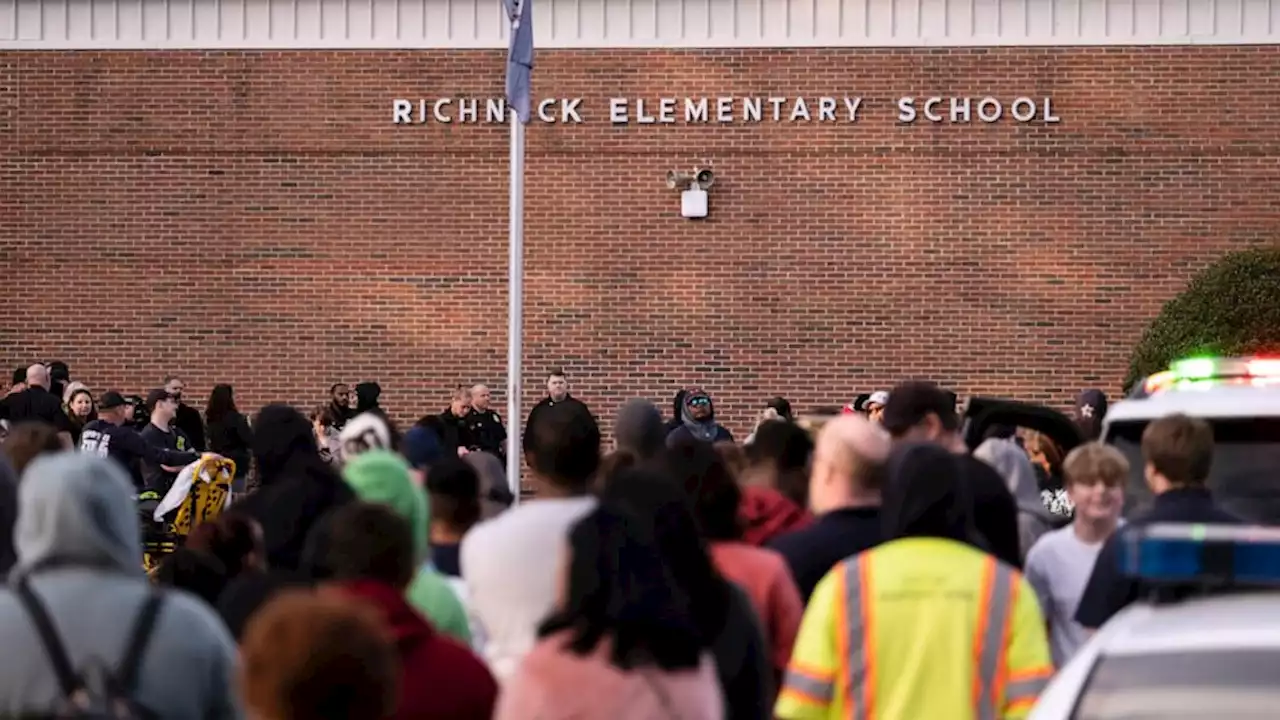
x=511, y=564
x=1059, y=564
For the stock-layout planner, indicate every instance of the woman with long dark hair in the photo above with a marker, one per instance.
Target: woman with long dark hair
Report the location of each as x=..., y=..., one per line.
x=723, y=618
x=228, y=433
x=623, y=643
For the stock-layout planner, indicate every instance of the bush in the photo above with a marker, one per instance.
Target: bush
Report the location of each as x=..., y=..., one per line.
x=1231, y=307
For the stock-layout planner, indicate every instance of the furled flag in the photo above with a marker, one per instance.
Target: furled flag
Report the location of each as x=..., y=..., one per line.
x=519, y=56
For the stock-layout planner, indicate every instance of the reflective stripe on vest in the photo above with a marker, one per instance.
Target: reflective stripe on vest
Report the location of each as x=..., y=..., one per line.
x=998, y=593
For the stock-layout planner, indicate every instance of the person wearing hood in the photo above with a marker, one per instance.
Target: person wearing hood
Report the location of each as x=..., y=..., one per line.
x=970, y=637
x=698, y=421
x=80, y=561
x=638, y=429
x=295, y=486
x=381, y=476
x=677, y=410
x=365, y=432
x=367, y=395
x=1034, y=520
x=372, y=553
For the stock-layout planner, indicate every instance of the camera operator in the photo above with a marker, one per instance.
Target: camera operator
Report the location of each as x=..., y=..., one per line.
x=137, y=417
x=112, y=436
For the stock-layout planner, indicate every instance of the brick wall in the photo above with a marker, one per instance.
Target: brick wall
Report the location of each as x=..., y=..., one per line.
x=256, y=218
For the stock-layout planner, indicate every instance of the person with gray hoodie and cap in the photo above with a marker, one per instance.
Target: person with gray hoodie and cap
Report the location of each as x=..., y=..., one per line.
x=1008, y=459
x=78, y=613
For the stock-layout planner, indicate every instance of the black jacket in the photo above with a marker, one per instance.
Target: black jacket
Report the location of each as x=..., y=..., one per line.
x=453, y=431
x=191, y=424
x=486, y=432
x=36, y=403
x=541, y=407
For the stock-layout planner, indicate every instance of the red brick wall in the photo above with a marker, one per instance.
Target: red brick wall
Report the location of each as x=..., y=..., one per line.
x=255, y=218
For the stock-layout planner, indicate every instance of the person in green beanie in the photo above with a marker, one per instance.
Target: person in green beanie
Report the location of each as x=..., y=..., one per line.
x=381, y=476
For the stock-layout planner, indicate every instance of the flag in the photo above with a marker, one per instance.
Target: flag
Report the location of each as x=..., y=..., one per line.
x=519, y=56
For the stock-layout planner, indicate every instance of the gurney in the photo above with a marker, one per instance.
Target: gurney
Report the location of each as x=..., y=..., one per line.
x=199, y=494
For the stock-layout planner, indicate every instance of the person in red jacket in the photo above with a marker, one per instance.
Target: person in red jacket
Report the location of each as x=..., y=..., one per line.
x=371, y=555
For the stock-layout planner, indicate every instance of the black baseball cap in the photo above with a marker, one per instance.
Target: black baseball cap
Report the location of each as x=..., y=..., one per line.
x=156, y=396
x=111, y=399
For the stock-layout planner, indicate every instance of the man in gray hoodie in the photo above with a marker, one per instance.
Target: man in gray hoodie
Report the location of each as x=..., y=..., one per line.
x=80, y=553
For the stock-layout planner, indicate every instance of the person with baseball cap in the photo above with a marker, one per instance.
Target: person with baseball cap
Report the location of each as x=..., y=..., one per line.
x=161, y=433
x=874, y=405
x=112, y=436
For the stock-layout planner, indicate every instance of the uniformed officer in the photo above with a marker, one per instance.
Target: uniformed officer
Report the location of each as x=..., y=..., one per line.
x=484, y=426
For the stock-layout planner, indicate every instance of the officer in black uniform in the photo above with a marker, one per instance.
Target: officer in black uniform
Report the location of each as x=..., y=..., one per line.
x=485, y=431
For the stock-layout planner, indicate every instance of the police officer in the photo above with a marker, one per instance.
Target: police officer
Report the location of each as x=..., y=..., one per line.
x=485, y=430
x=112, y=436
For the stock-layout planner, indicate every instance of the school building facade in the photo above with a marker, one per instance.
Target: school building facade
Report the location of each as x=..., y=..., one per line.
x=281, y=194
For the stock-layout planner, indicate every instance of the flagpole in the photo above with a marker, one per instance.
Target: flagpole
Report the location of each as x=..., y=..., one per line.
x=519, y=70
x=515, y=304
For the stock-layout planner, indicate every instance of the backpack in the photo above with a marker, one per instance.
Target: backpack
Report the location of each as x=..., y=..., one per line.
x=113, y=698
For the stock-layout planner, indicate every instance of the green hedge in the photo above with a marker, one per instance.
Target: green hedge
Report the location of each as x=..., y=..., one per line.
x=1230, y=308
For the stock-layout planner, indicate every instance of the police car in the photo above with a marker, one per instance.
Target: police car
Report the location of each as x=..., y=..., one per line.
x=1213, y=654
x=1240, y=398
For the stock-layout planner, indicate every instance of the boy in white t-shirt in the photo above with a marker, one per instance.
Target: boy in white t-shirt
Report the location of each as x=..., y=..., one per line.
x=1059, y=564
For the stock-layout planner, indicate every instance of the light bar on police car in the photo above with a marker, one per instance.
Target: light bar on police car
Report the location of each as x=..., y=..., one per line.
x=1184, y=552
x=1190, y=373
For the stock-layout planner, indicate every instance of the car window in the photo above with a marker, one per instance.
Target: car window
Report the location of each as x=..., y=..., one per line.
x=1213, y=684
x=1245, y=477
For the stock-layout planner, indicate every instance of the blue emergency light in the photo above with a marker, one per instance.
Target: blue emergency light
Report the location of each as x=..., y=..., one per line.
x=1177, y=553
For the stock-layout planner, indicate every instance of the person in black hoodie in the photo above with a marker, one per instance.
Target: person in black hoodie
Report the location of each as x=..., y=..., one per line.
x=229, y=433
x=698, y=421
x=295, y=486
x=367, y=394
x=920, y=411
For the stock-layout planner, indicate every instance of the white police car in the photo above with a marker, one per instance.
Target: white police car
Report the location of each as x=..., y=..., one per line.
x=1240, y=398
x=1213, y=656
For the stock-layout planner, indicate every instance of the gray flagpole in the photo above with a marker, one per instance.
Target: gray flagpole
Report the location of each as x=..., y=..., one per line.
x=519, y=69
x=515, y=305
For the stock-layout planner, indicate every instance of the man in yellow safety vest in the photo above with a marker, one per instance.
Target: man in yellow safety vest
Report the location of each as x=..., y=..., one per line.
x=925, y=625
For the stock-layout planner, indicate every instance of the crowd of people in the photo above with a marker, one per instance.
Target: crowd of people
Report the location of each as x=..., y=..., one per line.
x=871, y=566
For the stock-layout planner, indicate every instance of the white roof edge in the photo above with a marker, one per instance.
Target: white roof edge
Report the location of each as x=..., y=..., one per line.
x=1225, y=402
